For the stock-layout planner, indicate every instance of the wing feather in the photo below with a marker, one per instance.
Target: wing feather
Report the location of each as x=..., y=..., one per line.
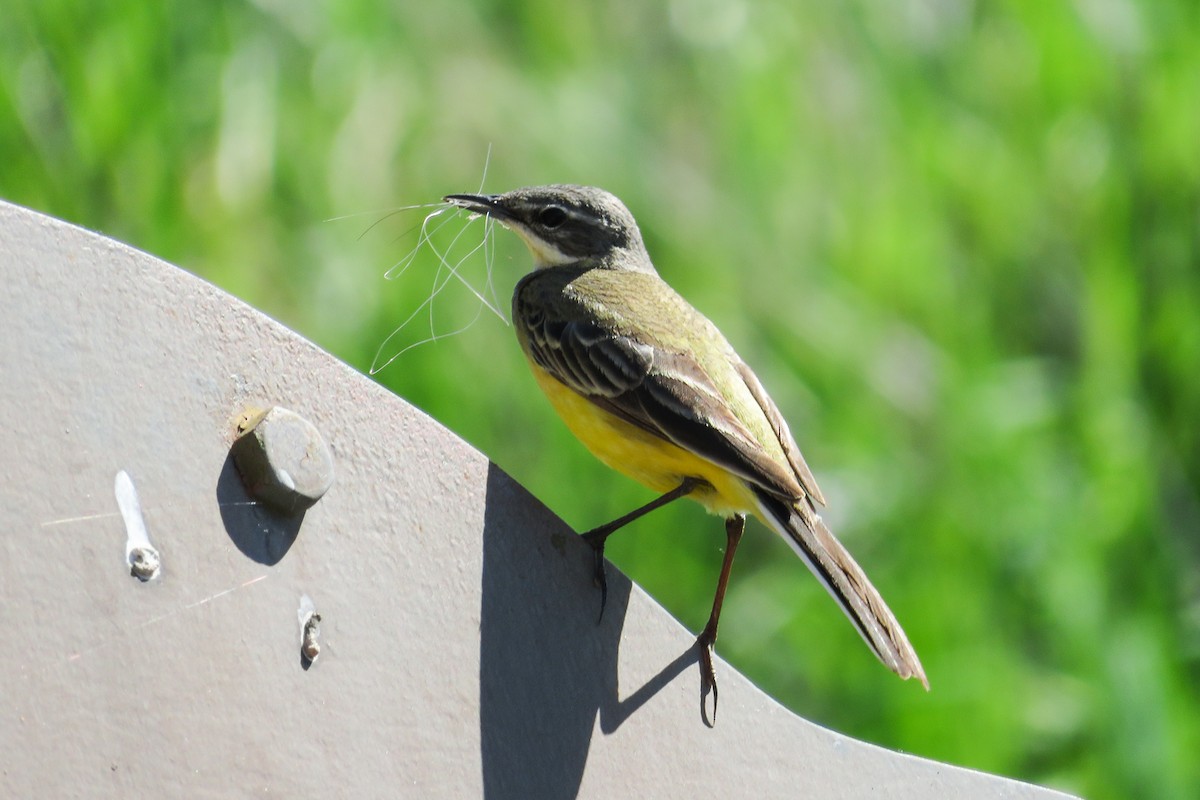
x=779, y=425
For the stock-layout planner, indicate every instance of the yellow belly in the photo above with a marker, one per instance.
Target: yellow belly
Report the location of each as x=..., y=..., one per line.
x=648, y=459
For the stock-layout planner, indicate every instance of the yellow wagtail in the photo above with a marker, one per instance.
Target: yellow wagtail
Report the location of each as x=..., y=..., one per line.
x=655, y=391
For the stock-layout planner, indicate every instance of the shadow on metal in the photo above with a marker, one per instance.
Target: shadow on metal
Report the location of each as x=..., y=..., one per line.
x=546, y=672
x=260, y=534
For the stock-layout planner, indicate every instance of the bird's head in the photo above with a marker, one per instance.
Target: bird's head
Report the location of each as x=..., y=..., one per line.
x=563, y=224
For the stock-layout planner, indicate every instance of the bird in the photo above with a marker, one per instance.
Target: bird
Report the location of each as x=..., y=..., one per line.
x=655, y=391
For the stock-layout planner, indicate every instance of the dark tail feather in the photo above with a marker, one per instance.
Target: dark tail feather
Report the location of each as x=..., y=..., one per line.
x=802, y=528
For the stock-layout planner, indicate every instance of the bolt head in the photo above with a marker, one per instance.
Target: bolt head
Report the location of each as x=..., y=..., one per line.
x=283, y=460
x=144, y=563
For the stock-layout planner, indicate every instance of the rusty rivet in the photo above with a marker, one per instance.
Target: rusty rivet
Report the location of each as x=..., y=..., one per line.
x=310, y=648
x=283, y=460
x=144, y=562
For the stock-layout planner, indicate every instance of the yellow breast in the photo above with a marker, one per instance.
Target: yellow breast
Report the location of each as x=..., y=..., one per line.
x=648, y=459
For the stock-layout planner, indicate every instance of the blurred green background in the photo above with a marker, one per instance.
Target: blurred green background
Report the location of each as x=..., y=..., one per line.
x=959, y=242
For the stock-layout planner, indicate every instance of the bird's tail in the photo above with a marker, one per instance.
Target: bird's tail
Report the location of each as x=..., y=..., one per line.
x=801, y=527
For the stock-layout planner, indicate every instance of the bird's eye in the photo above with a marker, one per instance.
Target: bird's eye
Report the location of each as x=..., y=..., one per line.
x=552, y=216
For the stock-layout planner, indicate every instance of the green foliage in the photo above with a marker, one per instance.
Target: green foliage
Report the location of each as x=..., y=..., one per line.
x=958, y=241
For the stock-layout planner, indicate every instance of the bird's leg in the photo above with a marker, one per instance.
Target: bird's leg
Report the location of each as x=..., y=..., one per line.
x=734, y=526
x=597, y=536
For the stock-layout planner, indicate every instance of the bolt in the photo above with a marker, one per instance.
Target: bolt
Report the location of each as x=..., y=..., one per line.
x=143, y=563
x=310, y=648
x=140, y=556
x=283, y=460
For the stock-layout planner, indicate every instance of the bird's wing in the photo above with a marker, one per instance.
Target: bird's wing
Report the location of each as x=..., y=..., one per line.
x=779, y=425
x=664, y=392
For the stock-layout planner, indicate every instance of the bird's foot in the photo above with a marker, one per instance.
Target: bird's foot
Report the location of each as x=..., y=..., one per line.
x=596, y=538
x=708, y=676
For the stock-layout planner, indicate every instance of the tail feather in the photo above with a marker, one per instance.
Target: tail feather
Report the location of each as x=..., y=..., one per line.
x=802, y=528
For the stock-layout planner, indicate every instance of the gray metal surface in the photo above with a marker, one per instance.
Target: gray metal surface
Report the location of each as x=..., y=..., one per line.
x=459, y=651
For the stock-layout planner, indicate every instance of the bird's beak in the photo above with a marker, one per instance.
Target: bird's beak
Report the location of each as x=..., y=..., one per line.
x=485, y=204
x=494, y=207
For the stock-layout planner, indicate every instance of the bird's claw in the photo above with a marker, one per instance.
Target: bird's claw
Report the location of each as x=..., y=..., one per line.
x=708, y=679
x=599, y=578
